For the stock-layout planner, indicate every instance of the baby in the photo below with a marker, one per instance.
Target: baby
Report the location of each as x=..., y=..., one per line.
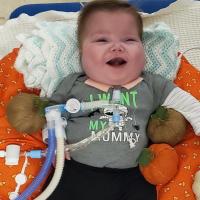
x=112, y=56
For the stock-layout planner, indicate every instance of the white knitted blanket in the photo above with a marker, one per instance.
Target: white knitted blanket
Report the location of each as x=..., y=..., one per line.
x=25, y=24
x=48, y=55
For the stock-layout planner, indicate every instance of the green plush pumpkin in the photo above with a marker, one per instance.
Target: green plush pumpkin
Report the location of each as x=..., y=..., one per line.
x=25, y=112
x=166, y=126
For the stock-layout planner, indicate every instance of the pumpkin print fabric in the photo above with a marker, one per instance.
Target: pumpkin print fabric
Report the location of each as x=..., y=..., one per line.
x=11, y=83
x=180, y=187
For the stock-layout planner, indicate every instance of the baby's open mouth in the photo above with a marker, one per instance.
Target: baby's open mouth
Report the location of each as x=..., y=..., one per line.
x=116, y=62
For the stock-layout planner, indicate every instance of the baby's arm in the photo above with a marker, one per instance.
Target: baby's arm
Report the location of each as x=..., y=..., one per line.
x=187, y=105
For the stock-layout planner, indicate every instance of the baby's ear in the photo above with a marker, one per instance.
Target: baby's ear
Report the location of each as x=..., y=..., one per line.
x=23, y=114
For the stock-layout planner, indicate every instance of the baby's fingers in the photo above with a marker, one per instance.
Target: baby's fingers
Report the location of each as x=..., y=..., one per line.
x=67, y=155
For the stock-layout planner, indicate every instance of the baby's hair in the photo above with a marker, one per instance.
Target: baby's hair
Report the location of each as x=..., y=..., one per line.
x=106, y=5
x=24, y=113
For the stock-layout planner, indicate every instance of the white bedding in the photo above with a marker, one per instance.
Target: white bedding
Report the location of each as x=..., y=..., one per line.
x=25, y=24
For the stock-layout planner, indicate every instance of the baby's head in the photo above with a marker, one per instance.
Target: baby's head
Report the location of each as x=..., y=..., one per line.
x=109, y=36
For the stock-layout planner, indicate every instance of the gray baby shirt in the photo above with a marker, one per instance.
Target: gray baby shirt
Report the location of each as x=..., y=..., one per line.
x=121, y=147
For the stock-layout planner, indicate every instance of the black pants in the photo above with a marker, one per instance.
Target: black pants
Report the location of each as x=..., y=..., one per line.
x=82, y=182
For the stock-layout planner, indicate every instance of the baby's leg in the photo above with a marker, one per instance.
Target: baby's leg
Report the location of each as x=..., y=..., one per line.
x=139, y=188
x=80, y=181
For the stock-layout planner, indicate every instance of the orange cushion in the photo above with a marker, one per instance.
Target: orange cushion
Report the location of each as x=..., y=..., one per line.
x=11, y=83
x=188, y=78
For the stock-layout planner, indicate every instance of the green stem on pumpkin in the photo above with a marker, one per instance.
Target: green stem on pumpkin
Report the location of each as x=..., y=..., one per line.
x=40, y=105
x=145, y=157
x=161, y=113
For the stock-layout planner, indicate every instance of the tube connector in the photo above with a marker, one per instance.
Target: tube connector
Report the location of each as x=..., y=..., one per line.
x=12, y=154
x=59, y=107
x=116, y=96
x=36, y=153
x=73, y=105
x=55, y=120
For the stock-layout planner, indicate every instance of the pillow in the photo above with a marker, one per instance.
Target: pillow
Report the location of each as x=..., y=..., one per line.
x=51, y=52
x=161, y=50
x=180, y=187
x=11, y=83
x=183, y=18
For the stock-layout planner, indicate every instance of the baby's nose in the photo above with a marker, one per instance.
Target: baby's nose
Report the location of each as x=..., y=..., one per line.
x=117, y=47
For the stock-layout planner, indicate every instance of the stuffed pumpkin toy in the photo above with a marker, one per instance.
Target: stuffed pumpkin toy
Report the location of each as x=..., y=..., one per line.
x=158, y=163
x=25, y=112
x=166, y=126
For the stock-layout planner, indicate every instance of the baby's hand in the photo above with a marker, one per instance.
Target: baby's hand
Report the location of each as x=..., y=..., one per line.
x=67, y=155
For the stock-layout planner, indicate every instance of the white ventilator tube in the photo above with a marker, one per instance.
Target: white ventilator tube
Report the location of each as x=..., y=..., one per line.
x=74, y=106
x=54, y=118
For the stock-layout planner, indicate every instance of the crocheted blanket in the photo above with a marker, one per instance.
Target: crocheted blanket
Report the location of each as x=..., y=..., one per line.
x=26, y=24
x=51, y=52
x=48, y=54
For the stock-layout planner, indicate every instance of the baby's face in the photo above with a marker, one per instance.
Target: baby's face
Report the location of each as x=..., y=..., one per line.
x=112, y=52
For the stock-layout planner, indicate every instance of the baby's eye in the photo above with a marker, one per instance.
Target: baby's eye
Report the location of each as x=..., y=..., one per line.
x=130, y=40
x=102, y=40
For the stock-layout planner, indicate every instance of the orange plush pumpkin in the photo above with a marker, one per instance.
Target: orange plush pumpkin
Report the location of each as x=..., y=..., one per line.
x=158, y=163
